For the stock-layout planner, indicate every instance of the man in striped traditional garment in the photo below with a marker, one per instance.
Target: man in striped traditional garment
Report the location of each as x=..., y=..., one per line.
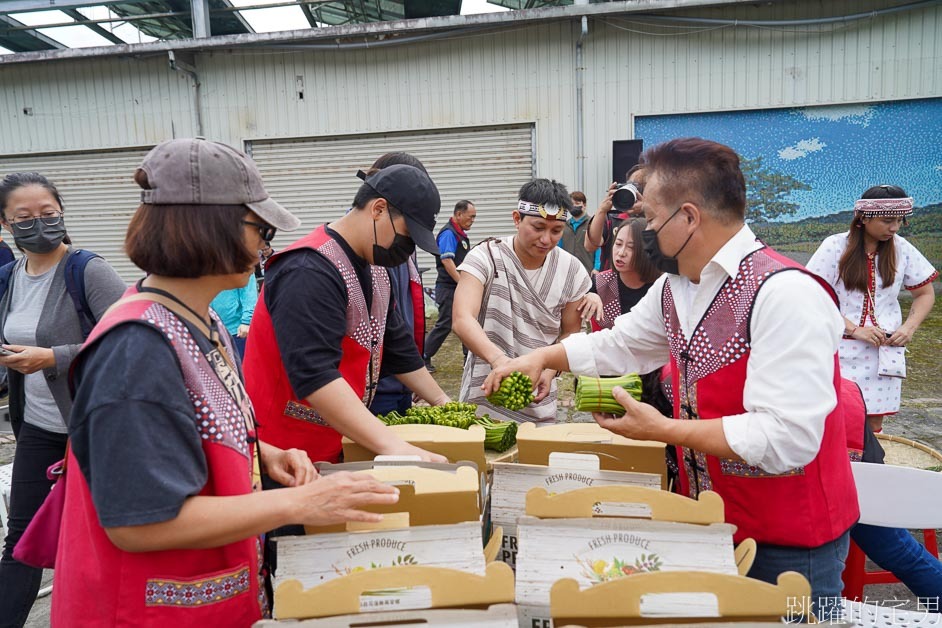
x=521, y=293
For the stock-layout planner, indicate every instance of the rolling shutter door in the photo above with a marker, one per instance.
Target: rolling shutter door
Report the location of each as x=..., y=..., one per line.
x=99, y=195
x=315, y=177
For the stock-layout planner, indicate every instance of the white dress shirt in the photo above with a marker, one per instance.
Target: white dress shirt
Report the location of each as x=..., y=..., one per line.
x=795, y=331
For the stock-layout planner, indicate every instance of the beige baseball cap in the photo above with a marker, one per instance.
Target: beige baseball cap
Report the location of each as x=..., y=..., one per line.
x=197, y=171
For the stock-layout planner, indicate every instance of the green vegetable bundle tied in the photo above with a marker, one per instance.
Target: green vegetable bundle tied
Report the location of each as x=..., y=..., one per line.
x=498, y=435
x=594, y=394
x=515, y=392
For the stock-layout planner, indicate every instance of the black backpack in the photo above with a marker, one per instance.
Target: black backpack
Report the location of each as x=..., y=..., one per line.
x=75, y=265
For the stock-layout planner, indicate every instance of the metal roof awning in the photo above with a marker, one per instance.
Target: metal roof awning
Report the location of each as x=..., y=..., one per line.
x=24, y=29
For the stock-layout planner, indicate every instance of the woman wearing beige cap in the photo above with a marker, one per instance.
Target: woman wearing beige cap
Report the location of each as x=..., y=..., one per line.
x=161, y=523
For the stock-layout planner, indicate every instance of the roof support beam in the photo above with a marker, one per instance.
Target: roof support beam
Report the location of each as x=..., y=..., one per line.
x=199, y=10
x=23, y=6
x=95, y=27
x=45, y=42
x=311, y=19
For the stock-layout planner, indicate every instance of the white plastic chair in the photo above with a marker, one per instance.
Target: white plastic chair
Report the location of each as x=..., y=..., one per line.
x=895, y=497
x=898, y=497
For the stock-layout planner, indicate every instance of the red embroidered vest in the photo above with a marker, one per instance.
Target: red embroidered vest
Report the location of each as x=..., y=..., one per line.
x=418, y=306
x=98, y=584
x=804, y=507
x=284, y=420
x=606, y=285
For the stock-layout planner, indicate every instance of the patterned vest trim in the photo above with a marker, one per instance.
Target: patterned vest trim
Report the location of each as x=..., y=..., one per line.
x=804, y=507
x=285, y=420
x=101, y=585
x=606, y=284
x=464, y=245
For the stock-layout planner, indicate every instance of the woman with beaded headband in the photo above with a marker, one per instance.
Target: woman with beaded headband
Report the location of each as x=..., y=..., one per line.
x=868, y=266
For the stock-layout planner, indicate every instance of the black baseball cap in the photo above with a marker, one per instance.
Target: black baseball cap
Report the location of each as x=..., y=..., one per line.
x=412, y=192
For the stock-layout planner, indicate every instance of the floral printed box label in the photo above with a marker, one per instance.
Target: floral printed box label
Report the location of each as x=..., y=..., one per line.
x=593, y=551
x=512, y=481
x=318, y=558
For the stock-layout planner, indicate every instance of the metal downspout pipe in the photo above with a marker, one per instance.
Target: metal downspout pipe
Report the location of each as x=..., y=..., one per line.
x=179, y=65
x=580, y=109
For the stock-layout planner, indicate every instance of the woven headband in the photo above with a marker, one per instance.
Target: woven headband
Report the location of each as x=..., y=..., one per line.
x=544, y=211
x=884, y=206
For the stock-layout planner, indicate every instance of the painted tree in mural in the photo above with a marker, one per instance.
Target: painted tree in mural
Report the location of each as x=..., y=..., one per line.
x=766, y=190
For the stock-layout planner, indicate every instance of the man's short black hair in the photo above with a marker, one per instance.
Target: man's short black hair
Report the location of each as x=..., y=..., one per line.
x=546, y=192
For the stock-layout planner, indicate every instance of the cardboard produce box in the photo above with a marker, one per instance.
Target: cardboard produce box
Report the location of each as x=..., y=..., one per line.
x=682, y=596
x=453, y=443
x=429, y=494
x=410, y=587
x=596, y=551
x=615, y=453
x=511, y=482
x=496, y=616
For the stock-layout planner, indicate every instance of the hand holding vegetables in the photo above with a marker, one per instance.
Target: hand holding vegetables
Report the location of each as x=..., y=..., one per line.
x=636, y=420
x=515, y=392
x=530, y=365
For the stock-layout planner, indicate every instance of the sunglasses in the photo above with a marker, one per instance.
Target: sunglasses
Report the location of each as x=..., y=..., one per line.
x=267, y=232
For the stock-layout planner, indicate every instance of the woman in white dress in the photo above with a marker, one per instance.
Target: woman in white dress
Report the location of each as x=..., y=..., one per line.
x=868, y=266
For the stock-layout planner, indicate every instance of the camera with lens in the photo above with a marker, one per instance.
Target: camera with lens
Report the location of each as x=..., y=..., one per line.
x=625, y=197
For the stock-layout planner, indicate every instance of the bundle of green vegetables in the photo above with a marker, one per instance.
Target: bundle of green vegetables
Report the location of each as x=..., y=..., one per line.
x=515, y=392
x=498, y=435
x=594, y=394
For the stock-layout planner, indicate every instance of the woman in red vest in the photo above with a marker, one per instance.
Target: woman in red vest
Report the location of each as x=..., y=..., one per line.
x=161, y=523
x=630, y=277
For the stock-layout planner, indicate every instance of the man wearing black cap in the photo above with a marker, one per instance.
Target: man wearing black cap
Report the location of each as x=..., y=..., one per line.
x=326, y=320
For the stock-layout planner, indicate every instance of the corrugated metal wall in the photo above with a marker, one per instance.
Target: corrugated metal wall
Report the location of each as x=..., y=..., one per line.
x=314, y=178
x=514, y=77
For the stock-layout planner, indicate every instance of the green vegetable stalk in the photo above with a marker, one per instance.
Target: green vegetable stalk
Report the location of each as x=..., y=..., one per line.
x=498, y=435
x=515, y=392
x=594, y=394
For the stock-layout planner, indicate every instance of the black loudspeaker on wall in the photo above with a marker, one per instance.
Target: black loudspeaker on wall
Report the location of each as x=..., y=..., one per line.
x=625, y=154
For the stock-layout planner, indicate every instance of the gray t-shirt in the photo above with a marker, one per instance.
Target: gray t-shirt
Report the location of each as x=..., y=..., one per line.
x=26, y=305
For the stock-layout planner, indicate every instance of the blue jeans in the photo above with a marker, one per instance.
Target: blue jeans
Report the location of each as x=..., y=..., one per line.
x=384, y=402
x=896, y=551
x=239, y=344
x=822, y=566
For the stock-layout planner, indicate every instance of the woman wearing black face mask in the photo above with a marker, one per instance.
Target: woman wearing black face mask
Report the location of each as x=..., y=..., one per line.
x=41, y=330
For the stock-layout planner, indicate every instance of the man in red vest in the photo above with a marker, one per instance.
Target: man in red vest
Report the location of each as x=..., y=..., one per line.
x=751, y=340
x=325, y=322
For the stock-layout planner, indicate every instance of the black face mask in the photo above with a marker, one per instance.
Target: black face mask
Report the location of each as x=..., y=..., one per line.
x=399, y=251
x=577, y=211
x=40, y=238
x=653, y=250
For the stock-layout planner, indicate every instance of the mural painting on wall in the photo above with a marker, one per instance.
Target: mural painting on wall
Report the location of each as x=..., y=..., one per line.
x=805, y=166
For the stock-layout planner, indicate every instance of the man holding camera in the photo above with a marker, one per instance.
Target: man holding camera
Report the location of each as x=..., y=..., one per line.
x=625, y=199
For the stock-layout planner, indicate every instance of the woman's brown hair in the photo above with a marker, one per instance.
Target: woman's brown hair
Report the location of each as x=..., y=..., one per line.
x=188, y=241
x=640, y=262
x=853, y=268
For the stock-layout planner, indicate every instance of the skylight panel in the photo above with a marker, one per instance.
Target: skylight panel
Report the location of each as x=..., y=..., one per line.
x=126, y=31
x=274, y=19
